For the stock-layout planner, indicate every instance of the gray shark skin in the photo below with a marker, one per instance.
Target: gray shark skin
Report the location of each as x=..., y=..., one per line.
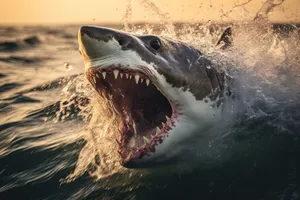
x=173, y=78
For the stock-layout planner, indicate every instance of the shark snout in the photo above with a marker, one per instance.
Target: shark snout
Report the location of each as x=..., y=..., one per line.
x=97, y=42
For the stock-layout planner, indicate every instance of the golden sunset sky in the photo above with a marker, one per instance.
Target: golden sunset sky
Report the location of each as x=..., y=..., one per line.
x=112, y=11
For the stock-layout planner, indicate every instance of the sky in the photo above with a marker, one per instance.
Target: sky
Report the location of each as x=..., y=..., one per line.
x=113, y=11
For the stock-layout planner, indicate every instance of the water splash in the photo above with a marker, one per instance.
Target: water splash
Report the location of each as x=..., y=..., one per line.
x=98, y=157
x=267, y=9
x=127, y=16
x=165, y=26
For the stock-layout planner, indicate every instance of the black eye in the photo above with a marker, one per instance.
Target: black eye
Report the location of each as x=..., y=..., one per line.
x=155, y=44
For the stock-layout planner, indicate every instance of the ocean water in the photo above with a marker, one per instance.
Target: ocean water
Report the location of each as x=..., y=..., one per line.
x=52, y=144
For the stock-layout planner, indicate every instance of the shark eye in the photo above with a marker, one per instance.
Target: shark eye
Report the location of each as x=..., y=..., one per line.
x=155, y=44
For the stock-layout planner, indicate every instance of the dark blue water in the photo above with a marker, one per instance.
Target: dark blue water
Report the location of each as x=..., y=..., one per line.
x=43, y=126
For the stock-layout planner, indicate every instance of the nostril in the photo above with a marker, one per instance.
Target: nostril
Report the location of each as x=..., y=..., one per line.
x=121, y=42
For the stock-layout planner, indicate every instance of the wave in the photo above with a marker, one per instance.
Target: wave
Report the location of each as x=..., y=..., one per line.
x=22, y=59
x=2, y=75
x=60, y=110
x=9, y=86
x=57, y=83
x=33, y=40
x=10, y=46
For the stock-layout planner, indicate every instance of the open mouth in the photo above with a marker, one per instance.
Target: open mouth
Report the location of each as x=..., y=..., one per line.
x=146, y=114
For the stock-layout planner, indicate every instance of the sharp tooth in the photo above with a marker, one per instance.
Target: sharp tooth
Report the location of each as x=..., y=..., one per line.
x=121, y=75
x=146, y=140
x=157, y=131
x=167, y=118
x=97, y=75
x=94, y=79
x=120, y=152
x=142, y=80
x=104, y=75
x=130, y=77
x=118, y=142
x=127, y=75
x=116, y=73
x=93, y=84
x=147, y=82
x=137, y=78
x=129, y=156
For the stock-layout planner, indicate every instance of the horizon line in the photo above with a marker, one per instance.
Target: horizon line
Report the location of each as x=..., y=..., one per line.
x=138, y=22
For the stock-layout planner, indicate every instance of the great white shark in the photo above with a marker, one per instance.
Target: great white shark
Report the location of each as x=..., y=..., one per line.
x=165, y=92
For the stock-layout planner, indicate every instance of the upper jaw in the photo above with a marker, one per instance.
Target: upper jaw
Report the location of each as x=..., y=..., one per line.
x=108, y=49
x=109, y=56
x=119, y=71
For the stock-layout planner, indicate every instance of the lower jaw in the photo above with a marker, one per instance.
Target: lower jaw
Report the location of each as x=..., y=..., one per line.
x=137, y=161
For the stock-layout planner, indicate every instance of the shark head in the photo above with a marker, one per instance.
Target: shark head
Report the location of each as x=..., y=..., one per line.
x=166, y=92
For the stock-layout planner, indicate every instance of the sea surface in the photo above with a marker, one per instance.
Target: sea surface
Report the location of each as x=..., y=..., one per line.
x=47, y=150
